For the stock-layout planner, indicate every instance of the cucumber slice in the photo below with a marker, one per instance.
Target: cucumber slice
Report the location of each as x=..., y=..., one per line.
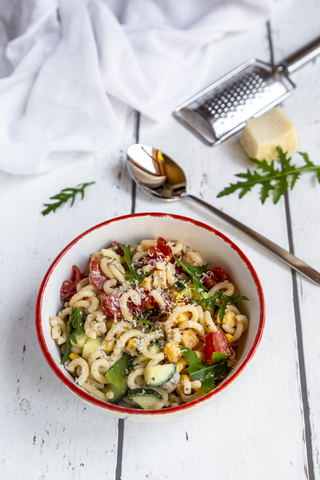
x=154, y=348
x=119, y=393
x=80, y=339
x=160, y=374
x=182, y=289
x=146, y=399
x=91, y=346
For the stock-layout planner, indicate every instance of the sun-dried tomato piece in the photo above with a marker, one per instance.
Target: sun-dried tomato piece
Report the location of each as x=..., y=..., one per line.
x=119, y=250
x=213, y=276
x=160, y=252
x=69, y=287
x=222, y=273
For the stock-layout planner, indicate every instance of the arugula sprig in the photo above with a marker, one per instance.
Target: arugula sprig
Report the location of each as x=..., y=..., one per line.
x=272, y=179
x=195, y=273
x=135, y=275
x=203, y=371
x=222, y=305
x=64, y=196
x=119, y=370
x=75, y=322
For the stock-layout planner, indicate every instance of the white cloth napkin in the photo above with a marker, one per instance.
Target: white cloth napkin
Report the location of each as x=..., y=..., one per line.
x=69, y=69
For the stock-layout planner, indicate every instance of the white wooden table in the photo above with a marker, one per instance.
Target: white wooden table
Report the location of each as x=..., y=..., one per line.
x=268, y=424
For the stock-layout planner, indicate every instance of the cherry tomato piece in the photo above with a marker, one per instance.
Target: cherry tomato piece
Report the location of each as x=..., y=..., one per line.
x=216, y=342
x=164, y=247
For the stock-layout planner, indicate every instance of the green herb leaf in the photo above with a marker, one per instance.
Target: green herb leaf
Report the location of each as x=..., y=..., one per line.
x=224, y=300
x=119, y=370
x=179, y=286
x=205, y=372
x=75, y=322
x=195, y=273
x=135, y=275
x=192, y=357
x=272, y=179
x=144, y=321
x=148, y=317
x=64, y=196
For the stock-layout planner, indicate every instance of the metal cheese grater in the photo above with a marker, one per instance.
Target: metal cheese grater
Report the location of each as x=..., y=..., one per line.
x=221, y=109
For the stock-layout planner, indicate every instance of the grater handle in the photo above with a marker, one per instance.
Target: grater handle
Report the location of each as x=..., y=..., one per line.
x=280, y=252
x=301, y=57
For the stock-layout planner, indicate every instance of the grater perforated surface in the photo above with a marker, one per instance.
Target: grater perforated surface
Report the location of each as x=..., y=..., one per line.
x=226, y=105
x=235, y=101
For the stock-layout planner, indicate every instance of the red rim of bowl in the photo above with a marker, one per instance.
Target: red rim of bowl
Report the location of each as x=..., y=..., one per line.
x=130, y=411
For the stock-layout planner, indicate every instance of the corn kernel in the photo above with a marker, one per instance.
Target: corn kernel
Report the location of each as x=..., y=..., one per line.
x=131, y=346
x=108, y=346
x=73, y=356
x=229, y=337
x=181, y=364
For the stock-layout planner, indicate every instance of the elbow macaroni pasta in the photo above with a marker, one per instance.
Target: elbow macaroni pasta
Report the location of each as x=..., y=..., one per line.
x=145, y=321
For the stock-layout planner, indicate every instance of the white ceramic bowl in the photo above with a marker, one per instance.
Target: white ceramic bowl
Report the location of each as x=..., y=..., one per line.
x=131, y=229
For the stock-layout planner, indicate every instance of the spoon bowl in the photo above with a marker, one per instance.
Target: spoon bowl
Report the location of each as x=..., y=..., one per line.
x=158, y=175
x=155, y=172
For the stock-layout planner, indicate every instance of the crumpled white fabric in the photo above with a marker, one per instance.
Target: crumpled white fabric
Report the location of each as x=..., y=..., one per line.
x=69, y=69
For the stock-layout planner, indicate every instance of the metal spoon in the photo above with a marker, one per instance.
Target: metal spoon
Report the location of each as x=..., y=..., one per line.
x=161, y=177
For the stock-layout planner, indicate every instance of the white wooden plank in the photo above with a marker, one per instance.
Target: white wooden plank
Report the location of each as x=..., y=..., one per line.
x=303, y=108
x=260, y=416
x=52, y=433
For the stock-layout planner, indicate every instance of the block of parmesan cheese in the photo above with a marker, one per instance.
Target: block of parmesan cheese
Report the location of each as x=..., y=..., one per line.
x=263, y=134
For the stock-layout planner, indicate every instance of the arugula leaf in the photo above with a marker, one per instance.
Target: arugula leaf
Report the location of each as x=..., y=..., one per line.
x=135, y=275
x=192, y=357
x=75, y=322
x=144, y=321
x=225, y=299
x=179, y=286
x=205, y=372
x=195, y=273
x=64, y=196
x=270, y=178
x=119, y=370
x=148, y=317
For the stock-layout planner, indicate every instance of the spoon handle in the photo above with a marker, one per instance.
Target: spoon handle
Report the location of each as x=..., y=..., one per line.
x=280, y=252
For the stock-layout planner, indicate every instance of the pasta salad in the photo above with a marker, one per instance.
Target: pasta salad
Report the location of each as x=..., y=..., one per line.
x=148, y=326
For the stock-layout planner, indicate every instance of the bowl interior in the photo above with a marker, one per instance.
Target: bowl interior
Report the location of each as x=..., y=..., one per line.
x=212, y=245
